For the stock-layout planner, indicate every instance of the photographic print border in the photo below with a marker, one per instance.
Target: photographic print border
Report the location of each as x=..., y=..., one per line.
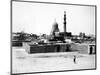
x=57, y=4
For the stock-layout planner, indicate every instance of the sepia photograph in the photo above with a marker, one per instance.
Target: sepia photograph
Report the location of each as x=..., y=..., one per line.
x=52, y=37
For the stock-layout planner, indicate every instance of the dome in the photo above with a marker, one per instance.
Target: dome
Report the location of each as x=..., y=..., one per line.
x=55, y=28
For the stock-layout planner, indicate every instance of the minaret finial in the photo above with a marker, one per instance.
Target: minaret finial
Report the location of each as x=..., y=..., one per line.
x=64, y=12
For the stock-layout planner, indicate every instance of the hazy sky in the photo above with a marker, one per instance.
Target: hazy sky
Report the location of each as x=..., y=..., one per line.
x=38, y=18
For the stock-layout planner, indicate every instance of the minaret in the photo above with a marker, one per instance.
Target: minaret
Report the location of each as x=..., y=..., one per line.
x=64, y=21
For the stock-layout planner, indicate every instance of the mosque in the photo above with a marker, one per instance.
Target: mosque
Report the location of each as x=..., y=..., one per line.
x=53, y=45
x=56, y=34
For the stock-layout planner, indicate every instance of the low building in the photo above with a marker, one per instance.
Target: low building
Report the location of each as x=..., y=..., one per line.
x=46, y=48
x=84, y=48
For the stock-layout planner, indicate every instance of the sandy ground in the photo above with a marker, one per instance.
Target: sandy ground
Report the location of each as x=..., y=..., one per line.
x=22, y=62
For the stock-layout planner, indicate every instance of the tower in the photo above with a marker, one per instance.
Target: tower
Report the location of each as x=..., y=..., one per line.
x=64, y=21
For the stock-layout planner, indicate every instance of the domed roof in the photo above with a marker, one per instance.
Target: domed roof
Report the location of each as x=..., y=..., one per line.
x=55, y=28
x=55, y=25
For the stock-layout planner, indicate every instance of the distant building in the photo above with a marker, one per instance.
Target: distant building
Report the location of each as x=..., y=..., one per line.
x=56, y=34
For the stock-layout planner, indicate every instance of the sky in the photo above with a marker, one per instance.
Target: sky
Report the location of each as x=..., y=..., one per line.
x=38, y=18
